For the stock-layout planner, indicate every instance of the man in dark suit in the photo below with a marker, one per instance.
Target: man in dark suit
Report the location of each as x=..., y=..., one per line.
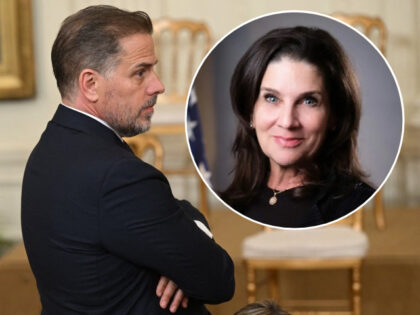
x=103, y=232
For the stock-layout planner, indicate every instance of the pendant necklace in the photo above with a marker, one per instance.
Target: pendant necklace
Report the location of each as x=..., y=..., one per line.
x=273, y=200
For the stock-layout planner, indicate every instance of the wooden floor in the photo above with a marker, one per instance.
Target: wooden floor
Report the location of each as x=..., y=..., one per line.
x=390, y=274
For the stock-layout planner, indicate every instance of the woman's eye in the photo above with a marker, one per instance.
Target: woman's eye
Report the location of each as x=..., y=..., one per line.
x=271, y=98
x=310, y=101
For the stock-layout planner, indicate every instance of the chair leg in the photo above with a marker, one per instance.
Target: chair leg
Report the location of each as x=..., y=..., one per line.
x=378, y=208
x=204, y=207
x=356, y=288
x=273, y=284
x=250, y=285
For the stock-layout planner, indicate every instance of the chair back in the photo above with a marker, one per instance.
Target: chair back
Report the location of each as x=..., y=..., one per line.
x=354, y=220
x=373, y=27
x=180, y=47
x=144, y=144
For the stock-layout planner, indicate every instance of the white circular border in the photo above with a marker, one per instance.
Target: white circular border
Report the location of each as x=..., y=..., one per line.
x=349, y=27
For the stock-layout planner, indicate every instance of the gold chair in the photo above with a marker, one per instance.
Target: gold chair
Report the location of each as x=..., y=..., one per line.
x=180, y=46
x=340, y=246
x=374, y=28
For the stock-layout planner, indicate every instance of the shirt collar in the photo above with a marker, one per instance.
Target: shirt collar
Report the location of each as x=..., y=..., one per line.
x=96, y=118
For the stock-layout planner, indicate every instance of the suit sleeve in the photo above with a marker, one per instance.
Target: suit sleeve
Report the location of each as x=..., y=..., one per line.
x=142, y=222
x=191, y=212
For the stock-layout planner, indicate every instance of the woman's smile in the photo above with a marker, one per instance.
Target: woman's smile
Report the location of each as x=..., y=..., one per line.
x=288, y=142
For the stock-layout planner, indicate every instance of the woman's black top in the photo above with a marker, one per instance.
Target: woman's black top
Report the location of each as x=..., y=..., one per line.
x=323, y=203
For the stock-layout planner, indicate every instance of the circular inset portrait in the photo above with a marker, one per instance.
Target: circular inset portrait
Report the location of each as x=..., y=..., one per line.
x=301, y=120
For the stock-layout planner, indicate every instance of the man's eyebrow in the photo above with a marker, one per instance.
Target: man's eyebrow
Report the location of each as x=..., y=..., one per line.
x=145, y=64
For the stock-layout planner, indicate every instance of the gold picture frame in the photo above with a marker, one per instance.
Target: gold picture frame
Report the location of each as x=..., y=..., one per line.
x=17, y=78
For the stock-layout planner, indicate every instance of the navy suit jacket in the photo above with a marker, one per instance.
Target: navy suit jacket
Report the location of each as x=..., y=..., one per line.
x=100, y=227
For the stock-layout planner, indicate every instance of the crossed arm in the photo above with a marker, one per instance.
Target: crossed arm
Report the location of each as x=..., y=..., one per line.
x=146, y=225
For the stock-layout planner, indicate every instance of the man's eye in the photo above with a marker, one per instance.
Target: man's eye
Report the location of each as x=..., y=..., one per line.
x=140, y=73
x=271, y=98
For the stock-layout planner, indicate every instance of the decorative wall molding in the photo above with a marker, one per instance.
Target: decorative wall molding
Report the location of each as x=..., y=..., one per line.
x=12, y=164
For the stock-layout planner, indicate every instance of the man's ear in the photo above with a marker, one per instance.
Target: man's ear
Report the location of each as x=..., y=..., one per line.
x=89, y=84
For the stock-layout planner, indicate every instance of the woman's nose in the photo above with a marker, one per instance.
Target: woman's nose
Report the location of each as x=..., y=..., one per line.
x=287, y=116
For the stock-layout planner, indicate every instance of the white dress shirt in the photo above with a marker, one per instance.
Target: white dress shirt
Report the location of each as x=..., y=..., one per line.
x=96, y=118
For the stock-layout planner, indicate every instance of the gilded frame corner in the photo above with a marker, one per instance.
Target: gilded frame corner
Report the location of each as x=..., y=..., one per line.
x=17, y=75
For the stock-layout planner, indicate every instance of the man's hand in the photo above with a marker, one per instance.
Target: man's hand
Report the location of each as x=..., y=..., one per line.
x=167, y=290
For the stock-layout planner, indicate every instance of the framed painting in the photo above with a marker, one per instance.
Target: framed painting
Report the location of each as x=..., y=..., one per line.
x=16, y=50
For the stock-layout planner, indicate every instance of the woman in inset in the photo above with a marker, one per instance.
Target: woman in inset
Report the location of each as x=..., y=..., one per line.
x=297, y=101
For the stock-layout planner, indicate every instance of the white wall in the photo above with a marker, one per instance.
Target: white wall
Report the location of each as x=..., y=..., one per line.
x=22, y=122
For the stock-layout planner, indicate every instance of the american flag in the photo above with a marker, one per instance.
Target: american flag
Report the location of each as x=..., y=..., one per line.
x=195, y=136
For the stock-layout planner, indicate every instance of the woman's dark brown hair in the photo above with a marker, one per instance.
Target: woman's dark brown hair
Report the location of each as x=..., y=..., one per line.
x=338, y=153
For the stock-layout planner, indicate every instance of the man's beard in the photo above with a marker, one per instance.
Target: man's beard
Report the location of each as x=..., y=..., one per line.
x=129, y=125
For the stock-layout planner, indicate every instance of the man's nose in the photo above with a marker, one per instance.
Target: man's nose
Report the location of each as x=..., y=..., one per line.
x=155, y=86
